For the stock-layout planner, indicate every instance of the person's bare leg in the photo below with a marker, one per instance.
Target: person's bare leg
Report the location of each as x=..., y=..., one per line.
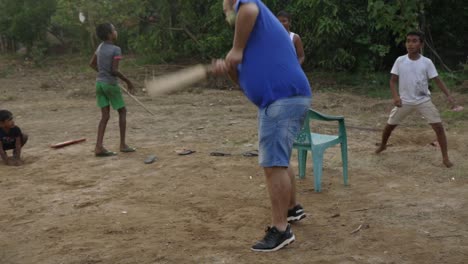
x=123, y=127
x=442, y=139
x=25, y=139
x=105, y=115
x=385, y=136
x=279, y=188
x=292, y=176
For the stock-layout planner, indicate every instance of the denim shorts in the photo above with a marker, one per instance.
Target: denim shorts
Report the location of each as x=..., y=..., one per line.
x=278, y=125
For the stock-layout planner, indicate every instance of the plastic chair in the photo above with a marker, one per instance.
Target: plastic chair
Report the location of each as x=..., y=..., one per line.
x=318, y=143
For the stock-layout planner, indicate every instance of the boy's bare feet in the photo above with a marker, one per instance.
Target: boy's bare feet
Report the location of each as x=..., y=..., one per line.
x=380, y=149
x=447, y=163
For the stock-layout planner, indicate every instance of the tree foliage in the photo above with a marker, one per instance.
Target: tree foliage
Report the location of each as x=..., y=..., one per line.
x=25, y=20
x=337, y=34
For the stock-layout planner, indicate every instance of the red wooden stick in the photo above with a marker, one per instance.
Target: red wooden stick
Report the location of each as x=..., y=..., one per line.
x=67, y=143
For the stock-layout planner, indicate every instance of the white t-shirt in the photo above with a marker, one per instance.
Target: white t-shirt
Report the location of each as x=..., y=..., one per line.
x=413, y=79
x=291, y=35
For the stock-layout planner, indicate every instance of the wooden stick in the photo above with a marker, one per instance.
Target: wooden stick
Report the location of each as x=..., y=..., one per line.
x=357, y=229
x=360, y=227
x=136, y=100
x=360, y=210
x=67, y=143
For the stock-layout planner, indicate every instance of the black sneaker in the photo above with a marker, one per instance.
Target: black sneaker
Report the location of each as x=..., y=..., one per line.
x=296, y=214
x=274, y=240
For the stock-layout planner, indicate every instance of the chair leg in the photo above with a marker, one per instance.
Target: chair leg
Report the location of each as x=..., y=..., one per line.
x=344, y=159
x=317, y=158
x=302, y=160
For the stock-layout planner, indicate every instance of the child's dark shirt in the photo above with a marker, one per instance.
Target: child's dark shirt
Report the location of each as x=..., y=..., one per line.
x=9, y=139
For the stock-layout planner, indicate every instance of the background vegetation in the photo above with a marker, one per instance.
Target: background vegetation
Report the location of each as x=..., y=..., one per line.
x=338, y=35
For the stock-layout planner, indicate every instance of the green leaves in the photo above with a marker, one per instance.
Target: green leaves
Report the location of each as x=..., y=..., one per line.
x=337, y=34
x=25, y=20
x=399, y=17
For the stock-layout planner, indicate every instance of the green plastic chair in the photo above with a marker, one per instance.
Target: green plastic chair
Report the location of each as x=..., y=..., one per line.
x=317, y=144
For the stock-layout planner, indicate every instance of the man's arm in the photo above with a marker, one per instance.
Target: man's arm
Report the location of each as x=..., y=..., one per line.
x=93, y=63
x=444, y=89
x=393, y=89
x=299, y=49
x=219, y=67
x=246, y=18
x=245, y=22
x=233, y=75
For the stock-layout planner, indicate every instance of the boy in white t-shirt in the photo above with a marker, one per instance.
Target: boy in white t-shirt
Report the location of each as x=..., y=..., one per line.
x=413, y=72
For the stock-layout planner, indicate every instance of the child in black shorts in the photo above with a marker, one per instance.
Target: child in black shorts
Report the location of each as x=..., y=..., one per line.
x=11, y=138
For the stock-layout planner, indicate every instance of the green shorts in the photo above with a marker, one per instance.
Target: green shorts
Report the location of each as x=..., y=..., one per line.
x=109, y=94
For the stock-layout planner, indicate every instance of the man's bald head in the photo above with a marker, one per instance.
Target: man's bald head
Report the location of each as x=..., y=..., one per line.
x=228, y=5
x=228, y=9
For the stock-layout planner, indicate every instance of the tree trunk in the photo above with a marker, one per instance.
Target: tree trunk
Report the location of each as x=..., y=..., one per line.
x=2, y=46
x=91, y=30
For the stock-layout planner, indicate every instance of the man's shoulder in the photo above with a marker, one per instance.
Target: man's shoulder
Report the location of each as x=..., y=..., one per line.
x=239, y=2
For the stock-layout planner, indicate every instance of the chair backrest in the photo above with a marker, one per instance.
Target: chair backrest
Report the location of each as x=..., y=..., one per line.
x=304, y=136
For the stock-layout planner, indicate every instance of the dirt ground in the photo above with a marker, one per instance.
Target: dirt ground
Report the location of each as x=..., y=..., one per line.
x=67, y=206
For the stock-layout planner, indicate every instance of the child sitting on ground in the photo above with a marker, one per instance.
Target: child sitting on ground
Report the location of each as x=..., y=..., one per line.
x=11, y=138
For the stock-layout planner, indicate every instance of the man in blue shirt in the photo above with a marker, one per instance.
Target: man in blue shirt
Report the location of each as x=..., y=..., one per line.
x=263, y=62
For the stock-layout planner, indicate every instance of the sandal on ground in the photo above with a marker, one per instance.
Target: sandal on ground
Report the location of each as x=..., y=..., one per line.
x=150, y=159
x=183, y=152
x=219, y=154
x=253, y=153
x=106, y=153
x=128, y=149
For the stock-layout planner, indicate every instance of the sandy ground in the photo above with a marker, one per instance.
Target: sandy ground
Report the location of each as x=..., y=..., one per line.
x=66, y=206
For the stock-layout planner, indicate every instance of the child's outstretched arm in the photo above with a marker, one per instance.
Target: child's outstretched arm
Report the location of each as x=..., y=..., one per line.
x=116, y=72
x=444, y=89
x=93, y=63
x=299, y=49
x=393, y=89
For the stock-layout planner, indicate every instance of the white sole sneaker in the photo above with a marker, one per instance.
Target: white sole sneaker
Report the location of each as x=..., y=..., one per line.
x=280, y=246
x=296, y=218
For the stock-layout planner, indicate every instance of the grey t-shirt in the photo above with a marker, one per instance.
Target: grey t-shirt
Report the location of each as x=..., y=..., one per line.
x=106, y=53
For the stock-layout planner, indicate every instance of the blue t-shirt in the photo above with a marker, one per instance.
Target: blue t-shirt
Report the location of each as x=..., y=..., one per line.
x=270, y=69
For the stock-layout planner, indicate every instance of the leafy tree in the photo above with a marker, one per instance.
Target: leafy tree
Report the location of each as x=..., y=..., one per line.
x=26, y=20
x=339, y=35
